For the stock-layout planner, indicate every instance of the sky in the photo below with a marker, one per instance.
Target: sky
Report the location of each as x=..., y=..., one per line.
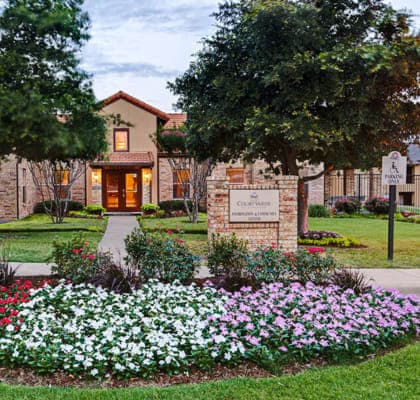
x=139, y=45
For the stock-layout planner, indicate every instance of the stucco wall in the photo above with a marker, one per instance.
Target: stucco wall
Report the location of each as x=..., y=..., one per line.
x=144, y=124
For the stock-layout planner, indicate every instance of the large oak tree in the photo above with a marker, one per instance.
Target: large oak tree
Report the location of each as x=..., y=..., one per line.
x=324, y=81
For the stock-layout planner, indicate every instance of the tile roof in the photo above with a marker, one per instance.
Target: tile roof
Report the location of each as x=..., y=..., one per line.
x=141, y=104
x=144, y=159
x=177, y=119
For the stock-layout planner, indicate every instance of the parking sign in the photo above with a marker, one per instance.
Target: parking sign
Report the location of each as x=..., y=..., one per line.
x=394, y=169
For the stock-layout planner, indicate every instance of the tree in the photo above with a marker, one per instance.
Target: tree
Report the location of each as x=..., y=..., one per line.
x=323, y=81
x=54, y=181
x=48, y=110
x=191, y=173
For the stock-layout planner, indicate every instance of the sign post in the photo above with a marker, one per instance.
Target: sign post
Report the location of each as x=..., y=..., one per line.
x=394, y=170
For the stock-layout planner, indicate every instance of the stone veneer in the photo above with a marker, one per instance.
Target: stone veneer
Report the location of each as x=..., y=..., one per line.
x=8, y=208
x=283, y=233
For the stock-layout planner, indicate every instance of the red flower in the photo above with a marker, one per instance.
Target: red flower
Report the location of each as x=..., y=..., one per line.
x=315, y=250
x=169, y=232
x=91, y=256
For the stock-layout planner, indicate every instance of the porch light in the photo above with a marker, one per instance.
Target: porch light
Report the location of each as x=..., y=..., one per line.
x=147, y=176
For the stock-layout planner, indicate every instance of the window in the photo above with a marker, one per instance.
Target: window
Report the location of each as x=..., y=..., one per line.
x=235, y=175
x=24, y=195
x=181, y=184
x=121, y=139
x=96, y=178
x=62, y=177
x=410, y=174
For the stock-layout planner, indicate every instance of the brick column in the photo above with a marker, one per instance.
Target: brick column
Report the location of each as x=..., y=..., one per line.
x=283, y=232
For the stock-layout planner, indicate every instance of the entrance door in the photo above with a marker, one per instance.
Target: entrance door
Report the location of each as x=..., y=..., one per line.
x=122, y=191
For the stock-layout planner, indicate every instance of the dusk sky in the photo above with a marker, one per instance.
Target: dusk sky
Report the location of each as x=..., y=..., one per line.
x=138, y=46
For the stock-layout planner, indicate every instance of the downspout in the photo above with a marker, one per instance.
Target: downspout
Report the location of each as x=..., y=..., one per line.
x=17, y=190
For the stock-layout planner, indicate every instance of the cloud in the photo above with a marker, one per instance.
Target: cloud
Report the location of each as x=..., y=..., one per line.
x=161, y=15
x=140, y=69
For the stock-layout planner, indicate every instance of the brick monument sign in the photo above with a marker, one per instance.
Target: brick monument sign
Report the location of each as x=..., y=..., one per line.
x=260, y=214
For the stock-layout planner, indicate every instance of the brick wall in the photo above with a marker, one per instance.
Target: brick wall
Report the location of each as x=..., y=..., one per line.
x=283, y=233
x=78, y=190
x=165, y=180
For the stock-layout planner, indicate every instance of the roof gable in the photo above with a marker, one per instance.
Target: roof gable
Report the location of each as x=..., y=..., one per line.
x=177, y=120
x=138, y=103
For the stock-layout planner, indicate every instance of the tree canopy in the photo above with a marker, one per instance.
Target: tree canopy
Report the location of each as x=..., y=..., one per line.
x=47, y=106
x=327, y=81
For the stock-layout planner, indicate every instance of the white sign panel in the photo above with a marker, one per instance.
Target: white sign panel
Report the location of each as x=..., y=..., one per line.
x=394, y=169
x=254, y=205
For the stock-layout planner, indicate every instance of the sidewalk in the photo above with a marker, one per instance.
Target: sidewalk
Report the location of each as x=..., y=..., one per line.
x=118, y=228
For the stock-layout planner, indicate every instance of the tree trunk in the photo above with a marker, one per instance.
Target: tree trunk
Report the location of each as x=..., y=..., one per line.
x=302, y=208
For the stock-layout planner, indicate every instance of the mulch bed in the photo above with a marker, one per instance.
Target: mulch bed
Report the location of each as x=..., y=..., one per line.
x=27, y=377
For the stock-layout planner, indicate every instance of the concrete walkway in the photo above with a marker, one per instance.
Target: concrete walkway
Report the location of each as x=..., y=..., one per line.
x=405, y=280
x=119, y=226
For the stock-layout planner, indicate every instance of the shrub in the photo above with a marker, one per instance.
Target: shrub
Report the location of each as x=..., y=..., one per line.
x=316, y=235
x=161, y=257
x=271, y=265
x=173, y=205
x=72, y=206
x=75, y=259
x=351, y=279
x=83, y=214
x=227, y=257
x=348, y=205
x=7, y=273
x=314, y=265
x=150, y=208
x=115, y=277
x=377, y=205
x=94, y=209
x=330, y=241
x=318, y=210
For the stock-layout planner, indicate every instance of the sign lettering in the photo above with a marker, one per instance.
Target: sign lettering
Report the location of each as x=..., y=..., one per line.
x=253, y=205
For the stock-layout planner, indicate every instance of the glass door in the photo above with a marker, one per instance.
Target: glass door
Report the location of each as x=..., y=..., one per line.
x=130, y=191
x=122, y=191
x=112, y=191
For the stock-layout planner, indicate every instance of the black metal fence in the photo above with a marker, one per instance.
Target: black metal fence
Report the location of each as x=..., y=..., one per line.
x=338, y=185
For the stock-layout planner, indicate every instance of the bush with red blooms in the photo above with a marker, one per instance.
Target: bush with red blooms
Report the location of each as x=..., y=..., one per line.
x=269, y=264
x=10, y=299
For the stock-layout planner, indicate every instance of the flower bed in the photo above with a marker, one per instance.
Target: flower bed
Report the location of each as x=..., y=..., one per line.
x=90, y=331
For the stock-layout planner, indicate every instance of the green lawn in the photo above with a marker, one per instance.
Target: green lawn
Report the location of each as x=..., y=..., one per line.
x=394, y=376
x=175, y=224
x=373, y=233
x=30, y=239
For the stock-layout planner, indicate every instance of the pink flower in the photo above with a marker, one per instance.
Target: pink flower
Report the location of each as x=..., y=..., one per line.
x=91, y=256
x=280, y=322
